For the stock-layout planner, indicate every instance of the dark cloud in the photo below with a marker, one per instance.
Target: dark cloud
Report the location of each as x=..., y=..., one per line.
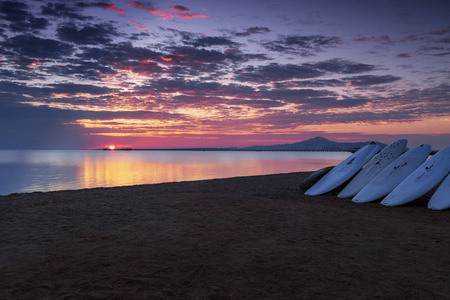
x=332, y=102
x=297, y=95
x=88, y=34
x=302, y=45
x=191, y=60
x=164, y=84
x=253, y=30
x=440, y=31
x=432, y=100
x=62, y=10
x=19, y=19
x=180, y=8
x=310, y=83
x=409, y=38
x=33, y=25
x=73, y=88
x=198, y=88
x=211, y=41
x=122, y=56
x=366, y=80
x=35, y=47
x=340, y=66
x=276, y=72
x=257, y=103
x=41, y=92
x=82, y=69
x=14, y=11
x=238, y=55
x=444, y=40
x=21, y=89
x=16, y=75
x=442, y=54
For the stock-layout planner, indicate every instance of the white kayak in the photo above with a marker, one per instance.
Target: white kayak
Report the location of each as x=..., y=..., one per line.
x=421, y=181
x=392, y=175
x=441, y=197
x=343, y=171
x=373, y=168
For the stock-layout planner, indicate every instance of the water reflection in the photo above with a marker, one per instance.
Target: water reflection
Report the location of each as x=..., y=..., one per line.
x=27, y=171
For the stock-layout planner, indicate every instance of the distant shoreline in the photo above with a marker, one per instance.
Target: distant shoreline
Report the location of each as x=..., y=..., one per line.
x=223, y=149
x=433, y=152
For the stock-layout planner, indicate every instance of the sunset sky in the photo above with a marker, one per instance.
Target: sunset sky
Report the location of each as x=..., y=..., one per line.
x=165, y=74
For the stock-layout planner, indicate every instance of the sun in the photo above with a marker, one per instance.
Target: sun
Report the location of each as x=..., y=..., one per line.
x=112, y=147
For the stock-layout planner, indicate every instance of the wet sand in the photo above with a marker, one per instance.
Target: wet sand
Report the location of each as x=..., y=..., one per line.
x=240, y=238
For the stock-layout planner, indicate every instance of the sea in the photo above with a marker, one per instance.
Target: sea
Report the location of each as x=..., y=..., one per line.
x=25, y=171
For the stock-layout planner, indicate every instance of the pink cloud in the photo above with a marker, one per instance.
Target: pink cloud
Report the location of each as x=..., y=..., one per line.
x=441, y=31
x=363, y=39
x=136, y=4
x=141, y=27
x=112, y=7
x=385, y=37
x=409, y=38
x=191, y=16
x=132, y=22
x=184, y=12
x=403, y=55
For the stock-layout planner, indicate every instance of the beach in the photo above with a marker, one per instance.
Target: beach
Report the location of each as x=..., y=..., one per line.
x=255, y=237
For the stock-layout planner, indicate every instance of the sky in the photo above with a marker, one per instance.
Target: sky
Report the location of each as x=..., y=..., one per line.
x=165, y=74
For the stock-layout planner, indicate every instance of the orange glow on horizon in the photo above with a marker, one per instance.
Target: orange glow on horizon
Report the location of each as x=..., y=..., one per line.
x=112, y=147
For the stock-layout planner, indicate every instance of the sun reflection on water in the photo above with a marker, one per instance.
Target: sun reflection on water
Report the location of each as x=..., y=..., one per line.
x=28, y=171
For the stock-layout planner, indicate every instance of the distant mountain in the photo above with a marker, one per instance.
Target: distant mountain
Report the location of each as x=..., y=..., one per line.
x=316, y=144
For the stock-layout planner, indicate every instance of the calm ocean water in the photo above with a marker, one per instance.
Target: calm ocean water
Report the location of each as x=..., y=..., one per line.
x=30, y=170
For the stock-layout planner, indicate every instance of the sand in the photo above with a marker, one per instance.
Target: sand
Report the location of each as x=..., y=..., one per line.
x=240, y=238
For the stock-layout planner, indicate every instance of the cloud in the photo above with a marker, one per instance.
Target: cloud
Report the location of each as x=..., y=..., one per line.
x=297, y=95
x=276, y=72
x=257, y=103
x=210, y=41
x=104, y=5
x=180, y=8
x=62, y=10
x=137, y=4
x=119, y=55
x=364, y=39
x=445, y=40
x=88, y=70
x=89, y=34
x=440, y=31
x=253, y=30
x=14, y=11
x=19, y=19
x=385, y=38
x=365, y=80
x=409, y=38
x=31, y=46
x=341, y=66
x=302, y=45
x=184, y=12
x=43, y=92
x=184, y=60
x=73, y=88
x=310, y=83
